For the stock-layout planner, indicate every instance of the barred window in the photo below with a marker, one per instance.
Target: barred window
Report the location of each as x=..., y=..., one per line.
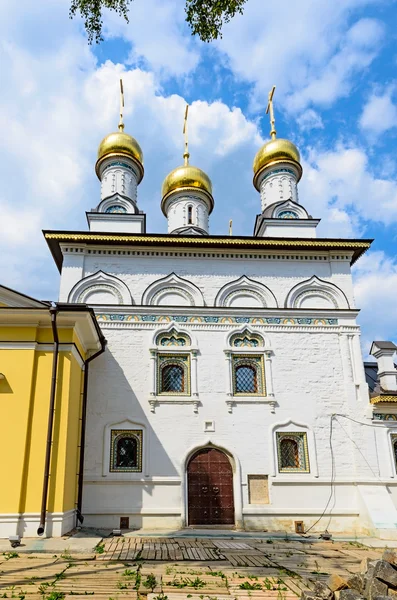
x=248, y=375
x=292, y=452
x=246, y=380
x=172, y=379
x=174, y=374
x=126, y=451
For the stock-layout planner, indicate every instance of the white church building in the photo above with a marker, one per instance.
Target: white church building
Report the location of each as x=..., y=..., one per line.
x=232, y=391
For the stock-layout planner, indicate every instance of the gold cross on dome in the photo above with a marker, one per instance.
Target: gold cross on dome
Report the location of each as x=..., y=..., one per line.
x=270, y=112
x=121, y=122
x=186, y=151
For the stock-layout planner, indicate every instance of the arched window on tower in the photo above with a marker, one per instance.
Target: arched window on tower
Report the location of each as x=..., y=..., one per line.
x=190, y=215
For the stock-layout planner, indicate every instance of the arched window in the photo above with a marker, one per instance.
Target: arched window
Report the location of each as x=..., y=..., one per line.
x=292, y=452
x=289, y=454
x=248, y=375
x=172, y=378
x=126, y=451
x=395, y=452
x=190, y=215
x=173, y=374
x=246, y=380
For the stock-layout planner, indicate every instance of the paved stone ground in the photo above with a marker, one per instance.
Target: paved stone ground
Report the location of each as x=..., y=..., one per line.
x=180, y=569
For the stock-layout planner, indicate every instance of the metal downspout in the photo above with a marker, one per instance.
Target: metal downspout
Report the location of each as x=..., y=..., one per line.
x=83, y=428
x=51, y=411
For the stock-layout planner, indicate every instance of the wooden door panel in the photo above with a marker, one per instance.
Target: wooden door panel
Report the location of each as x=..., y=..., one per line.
x=210, y=488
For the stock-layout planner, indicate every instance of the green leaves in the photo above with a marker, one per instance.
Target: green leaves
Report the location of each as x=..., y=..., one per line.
x=91, y=12
x=205, y=17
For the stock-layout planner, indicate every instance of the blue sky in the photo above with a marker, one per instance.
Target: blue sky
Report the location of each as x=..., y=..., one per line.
x=334, y=65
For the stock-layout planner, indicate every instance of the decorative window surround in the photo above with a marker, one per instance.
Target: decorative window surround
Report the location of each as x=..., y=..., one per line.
x=259, y=347
x=158, y=351
x=130, y=426
x=290, y=428
x=117, y=435
x=299, y=439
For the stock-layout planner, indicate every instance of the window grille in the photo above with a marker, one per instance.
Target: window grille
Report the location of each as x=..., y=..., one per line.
x=126, y=451
x=289, y=451
x=248, y=375
x=173, y=374
x=172, y=379
x=292, y=452
x=246, y=380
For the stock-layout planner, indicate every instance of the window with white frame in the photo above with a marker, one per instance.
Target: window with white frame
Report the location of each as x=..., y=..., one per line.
x=247, y=364
x=173, y=355
x=292, y=452
x=173, y=374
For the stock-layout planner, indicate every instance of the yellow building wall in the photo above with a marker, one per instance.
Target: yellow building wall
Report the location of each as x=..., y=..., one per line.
x=24, y=406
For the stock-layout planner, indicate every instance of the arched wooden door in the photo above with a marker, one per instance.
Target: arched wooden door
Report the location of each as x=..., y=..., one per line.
x=210, y=488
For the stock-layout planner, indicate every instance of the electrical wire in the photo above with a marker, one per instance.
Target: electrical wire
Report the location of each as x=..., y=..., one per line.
x=333, y=471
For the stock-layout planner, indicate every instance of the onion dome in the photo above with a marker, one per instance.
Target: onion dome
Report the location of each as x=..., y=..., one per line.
x=119, y=144
x=186, y=178
x=276, y=150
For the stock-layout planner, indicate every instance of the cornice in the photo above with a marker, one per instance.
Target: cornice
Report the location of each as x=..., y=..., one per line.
x=54, y=238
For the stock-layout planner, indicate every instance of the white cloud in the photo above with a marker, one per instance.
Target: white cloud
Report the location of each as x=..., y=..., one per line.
x=375, y=284
x=55, y=108
x=380, y=112
x=310, y=119
x=311, y=50
x=338, y=184
x=158, y=34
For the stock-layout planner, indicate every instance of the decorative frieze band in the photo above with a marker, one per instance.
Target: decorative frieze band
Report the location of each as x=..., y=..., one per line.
x=289, y=321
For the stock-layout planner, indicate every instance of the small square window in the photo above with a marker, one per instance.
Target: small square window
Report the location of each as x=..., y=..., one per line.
x=126, y=451
x=292, y=452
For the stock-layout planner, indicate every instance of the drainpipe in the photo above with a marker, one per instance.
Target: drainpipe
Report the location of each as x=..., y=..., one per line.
x=83, y=428
x=51, y=411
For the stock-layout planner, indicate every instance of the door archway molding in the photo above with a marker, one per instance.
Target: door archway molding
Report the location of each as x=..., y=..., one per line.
x=236, y=468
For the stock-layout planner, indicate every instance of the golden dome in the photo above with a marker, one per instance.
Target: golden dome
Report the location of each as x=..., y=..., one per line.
x=274, y=151
x=187, y=177
x=120, y=144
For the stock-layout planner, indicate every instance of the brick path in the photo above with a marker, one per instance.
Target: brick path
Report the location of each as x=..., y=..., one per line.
x=180, y=569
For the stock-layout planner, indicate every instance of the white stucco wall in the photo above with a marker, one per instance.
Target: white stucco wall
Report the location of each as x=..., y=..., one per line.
x=317, y=372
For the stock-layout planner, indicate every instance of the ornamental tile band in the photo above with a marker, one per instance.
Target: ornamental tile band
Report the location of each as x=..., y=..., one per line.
x=103, y=317
x=384, y=417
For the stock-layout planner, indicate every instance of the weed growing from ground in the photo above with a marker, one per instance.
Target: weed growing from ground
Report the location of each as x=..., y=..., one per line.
x=150, y=582
x=99, y=548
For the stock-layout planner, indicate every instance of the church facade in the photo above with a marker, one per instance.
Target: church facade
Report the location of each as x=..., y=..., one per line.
x=232, y=391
